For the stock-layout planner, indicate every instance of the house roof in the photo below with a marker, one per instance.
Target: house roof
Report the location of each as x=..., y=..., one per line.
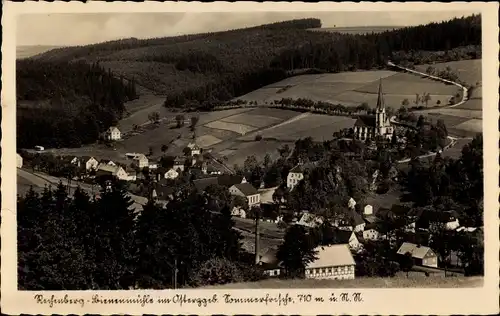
x=310, y=220
x=343, y=236
x=246, y=188
x=163, y=191
x=416, y=251
x=266, y=195
x=112, y=129
x=365, y=121
x=229, y=179
x=202, y=184
x=331, y=256
x=356, y=218
x=179, y=160
x=108, y=168
x=140, y=157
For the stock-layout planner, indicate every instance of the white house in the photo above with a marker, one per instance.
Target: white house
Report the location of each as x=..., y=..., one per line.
x=246, y=190
x=195, y=149
x=334, y=262
x=371, y=233
x=294, y=176
x=91, y=164
x=368, y=210
x=19, y=161
x=171, y=174
x=113, y=133
x=422, y=255
x=141, y=160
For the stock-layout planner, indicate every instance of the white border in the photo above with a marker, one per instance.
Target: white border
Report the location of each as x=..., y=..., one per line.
x=482, y=300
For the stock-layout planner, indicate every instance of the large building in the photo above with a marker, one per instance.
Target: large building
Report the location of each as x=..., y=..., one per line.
x=334, y=262
x=372, y=126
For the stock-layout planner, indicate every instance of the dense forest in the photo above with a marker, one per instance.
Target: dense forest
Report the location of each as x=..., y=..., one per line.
x=202, y=70
x=67, y=104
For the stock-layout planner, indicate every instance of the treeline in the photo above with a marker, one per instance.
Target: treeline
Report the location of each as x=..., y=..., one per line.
x=76, y=243
x=345, y=52
x=351, y=52
x=67, y=104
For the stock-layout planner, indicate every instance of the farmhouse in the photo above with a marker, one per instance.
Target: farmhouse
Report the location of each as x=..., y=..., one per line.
x=296, y=174
x=140, y=159
x=246, y=190
x=371, y=232
x=19, y=161
x=113, y=133
x=334, y=262
x=270, y=263
x=422, y=255
x=371, y=126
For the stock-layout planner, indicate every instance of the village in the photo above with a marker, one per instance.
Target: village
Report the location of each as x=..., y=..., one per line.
x=261, y=212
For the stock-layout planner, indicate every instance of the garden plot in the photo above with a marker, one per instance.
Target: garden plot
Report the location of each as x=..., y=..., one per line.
x=241, y=129
x=250, y=119
x=207, y=141
x=318, y=126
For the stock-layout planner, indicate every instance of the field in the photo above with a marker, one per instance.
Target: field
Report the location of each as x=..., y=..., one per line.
x=319, y=127
x=468, y=71
x=354, y=88
x=399, y=281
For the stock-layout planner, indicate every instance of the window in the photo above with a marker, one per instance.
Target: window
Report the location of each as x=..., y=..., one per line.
x=271, y=273
x=323, y=271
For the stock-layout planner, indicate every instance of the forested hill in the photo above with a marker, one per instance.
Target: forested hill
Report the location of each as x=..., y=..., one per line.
x=67, y=104
x=198, y=71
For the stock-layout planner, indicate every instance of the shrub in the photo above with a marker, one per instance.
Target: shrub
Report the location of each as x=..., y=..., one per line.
x=258, y=138
x=216, y=271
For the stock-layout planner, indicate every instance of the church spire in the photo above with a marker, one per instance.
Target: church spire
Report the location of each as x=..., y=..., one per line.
x=380, y=99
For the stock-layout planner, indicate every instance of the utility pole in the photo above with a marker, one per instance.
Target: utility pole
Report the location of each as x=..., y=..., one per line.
x=257, y=237
x=175, y=274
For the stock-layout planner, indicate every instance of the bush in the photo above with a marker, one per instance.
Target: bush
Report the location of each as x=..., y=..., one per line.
x=258, y=138
x=216, y=271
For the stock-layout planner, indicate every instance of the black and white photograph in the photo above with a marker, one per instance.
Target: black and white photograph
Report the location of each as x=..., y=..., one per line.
x=249, y=150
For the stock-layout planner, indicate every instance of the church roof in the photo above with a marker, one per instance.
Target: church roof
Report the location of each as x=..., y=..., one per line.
x=380, y=98
x=365, y=121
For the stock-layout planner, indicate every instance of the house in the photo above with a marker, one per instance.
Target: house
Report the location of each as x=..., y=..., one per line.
x=171, y=174
x=90, y=163
x=179, y=163
x=422, y=255
x=447, y=220
x=195, y=149
x=141, y=160
x=75, y=161
x=107, y=162
x=225, y=180
x=310, y=220
x=211, y=170
x=371, y=232
x=347, y=237
x=368, y=210
x=19, y=161
x=238, y=212
x=294, y=176
x=269, y=262
x=246, y=190
x=112, y=133
x=372, y=126
x=116, y=171
x=351, y=220
x=333, y=262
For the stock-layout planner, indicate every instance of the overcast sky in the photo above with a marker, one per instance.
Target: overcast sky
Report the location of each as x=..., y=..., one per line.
x=79, y=29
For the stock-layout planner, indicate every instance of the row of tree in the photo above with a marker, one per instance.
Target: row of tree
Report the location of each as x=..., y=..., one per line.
x=79, y=242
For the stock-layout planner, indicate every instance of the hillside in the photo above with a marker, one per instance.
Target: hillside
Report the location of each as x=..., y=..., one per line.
x=202, y=70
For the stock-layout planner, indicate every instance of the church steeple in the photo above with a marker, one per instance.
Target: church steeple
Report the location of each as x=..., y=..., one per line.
x=380, y=99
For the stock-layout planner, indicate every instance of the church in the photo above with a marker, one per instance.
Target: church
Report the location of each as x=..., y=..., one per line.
x=372, y=126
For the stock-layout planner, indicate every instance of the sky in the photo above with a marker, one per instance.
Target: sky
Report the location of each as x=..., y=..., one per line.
x=87, y=28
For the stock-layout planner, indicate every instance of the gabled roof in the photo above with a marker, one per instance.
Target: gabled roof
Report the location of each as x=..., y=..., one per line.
x=310, y=220
x=229, y=179
x=332, y=256
x=112, y=129
x=108, y=168
x=356, y=218
x=202, y=184
x=416, y=251
x=342, y=236
x=365, y=121
x=246, y=188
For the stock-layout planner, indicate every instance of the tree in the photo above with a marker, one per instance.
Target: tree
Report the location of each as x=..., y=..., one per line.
x=405, y=102
x=426, y=98
x=164, y=148
x=186, y=151
x=421, y=121
x=154, y=117
x=194, y=121
x=406, y=263
x=150, y=151
x=216, y=271
x=430, y=70
x=179, y=118
x=417, y=99
x=297, y=250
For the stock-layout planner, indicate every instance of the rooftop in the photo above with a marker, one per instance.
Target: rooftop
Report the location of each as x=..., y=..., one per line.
x=331, y=256
x=246, y=188
x=415, y=250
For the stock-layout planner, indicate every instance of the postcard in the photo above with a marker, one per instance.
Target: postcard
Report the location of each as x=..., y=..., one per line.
x=250, y=158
